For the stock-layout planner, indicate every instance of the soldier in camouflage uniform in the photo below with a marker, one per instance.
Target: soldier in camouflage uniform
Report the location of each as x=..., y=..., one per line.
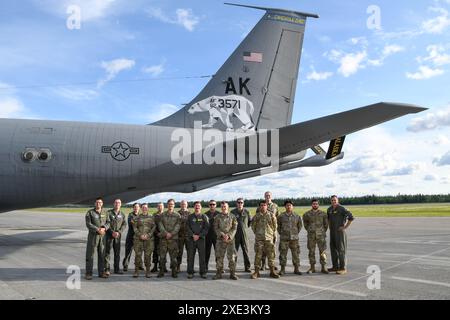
x=129, y=241
x=289, y=226
x=158, y=215
x=264, y=225
x=144, y=228
x=97, y=224
x=182, y=242
x=316, y=224
x=225, y=225
x=273, y=208
x=169, y=226
x=117, y=224
x=339, y=219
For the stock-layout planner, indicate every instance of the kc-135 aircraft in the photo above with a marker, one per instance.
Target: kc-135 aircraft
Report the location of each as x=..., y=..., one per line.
x=228, y=132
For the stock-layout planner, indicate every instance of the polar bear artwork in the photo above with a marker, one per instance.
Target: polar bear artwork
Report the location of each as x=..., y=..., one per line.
x=223, y=107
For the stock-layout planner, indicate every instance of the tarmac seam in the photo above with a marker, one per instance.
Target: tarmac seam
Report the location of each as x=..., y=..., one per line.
x=436, y=283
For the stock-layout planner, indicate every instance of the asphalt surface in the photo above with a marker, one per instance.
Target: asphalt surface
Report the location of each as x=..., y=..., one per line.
x=413, y=254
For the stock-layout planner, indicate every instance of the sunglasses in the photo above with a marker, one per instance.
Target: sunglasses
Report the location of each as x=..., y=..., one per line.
x=240, y=202
x=212, y=204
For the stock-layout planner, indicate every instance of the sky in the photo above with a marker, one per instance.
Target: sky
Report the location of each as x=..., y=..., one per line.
x=356, y=54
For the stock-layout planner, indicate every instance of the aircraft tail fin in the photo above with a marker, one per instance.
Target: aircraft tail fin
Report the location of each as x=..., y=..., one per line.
x=255, y=87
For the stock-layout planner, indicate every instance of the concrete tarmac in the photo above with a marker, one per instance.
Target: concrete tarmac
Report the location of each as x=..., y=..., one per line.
x=413, y=255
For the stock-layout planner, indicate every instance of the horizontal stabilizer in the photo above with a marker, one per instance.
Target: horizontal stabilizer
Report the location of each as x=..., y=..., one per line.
x=307, y=134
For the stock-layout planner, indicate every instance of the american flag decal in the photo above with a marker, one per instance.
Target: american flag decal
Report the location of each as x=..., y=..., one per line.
x=253, y=57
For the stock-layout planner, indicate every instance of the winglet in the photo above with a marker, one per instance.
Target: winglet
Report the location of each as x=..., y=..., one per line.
x=305, y=14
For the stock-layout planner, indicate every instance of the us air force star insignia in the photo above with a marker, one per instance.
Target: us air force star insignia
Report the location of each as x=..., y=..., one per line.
x=120, y=151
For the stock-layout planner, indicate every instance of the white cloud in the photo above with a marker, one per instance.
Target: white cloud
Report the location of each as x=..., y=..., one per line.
x=442, y=160
x=436, y=55
x=430, y=177
x=392, y=49
x=349, y=63
x=441, y=140
x=439, y=24
x=430, y=121
x=155, y=70
x=184, y=17
x=11, y=108
x=161, y=111
x=425, y=73
x=403, y=171
x=318, y=76
x=113, y=68
x=76, y=94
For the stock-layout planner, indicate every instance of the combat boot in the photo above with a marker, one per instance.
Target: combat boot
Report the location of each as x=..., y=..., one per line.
x=155, y=268
x=341, y=271
x=218, y=275
x=233, y=275
x=88, y=276
x=282, y=271
x=136, y=273
x=312, y=269
x=174, y=273
x=296, y=270
x=160, y=274
x=273, y=273
x=147, y=272
x=324, y=269
x=255, y=274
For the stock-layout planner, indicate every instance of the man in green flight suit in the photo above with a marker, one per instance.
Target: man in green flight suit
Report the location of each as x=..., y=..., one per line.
x=339, y=219
x=241, y=239
x=97, y=224
x=117, y=224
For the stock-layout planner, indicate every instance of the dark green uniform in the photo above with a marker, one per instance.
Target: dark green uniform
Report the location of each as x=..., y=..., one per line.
x=157, y=241
x=182, y=244
x=337, y=217
x=196, y=225
x=211, y=237
x=241, y=239
x=316, y=224
x=129, y=241
x=169, y=223
x=117, y=223
x=95, y=242
x=225, y=224
x=289, y=226
x=143, y=225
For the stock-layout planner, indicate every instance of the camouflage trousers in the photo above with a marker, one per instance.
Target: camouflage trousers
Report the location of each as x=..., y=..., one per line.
x=182, y=244
x=171, y=247
x=229, y=249
x=146, y=247
x=321, y=242
x=266, y=248
x=284, y=247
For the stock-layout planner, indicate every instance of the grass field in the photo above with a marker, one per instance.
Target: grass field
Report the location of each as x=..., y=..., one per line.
x=395, y=210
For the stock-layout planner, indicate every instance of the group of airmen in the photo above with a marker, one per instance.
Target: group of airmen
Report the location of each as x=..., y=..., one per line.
x=153, y=236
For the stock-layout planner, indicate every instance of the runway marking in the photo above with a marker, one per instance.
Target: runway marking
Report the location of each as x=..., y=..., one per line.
x=436, y=283
x=310, y=286
x=368, y=275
